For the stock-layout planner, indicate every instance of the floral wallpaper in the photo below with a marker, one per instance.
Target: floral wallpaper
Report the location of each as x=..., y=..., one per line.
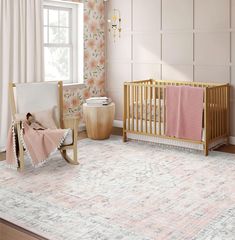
x=94, y=60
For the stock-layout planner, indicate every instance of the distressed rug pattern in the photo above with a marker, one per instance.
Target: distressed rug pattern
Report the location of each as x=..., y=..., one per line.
x=124, y=191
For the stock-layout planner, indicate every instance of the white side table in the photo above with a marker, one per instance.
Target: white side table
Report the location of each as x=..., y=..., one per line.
x=99, y=120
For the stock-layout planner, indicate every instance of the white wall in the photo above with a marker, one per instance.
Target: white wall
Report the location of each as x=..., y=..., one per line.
x=189, y=40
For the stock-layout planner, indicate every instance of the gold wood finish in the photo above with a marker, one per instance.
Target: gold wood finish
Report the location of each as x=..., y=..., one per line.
x=132, y=108
x=159, y=110
x=125, y=113
x=146, y=108
x=216, y=109
x=99, y=120
x=155, y=117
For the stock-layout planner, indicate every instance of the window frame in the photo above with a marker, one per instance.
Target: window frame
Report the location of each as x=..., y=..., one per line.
x=76, y=44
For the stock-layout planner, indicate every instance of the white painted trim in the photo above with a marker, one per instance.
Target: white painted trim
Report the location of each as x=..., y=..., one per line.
x=82, y=127
x=2, y=149
x=76, y=37
x=119, y=123
x=232, y=140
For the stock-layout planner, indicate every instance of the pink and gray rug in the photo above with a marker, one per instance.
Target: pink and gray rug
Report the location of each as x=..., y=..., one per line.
x=124, y=191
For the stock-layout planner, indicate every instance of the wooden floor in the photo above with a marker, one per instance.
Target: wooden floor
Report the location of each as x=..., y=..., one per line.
x=9, y=231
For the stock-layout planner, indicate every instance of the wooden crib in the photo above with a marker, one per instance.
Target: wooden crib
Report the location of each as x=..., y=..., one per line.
x=144, y=113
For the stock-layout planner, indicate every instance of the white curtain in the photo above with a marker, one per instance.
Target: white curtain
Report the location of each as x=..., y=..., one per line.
x=21, y=51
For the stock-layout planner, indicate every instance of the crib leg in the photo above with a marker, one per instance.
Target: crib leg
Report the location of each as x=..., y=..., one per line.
x=124, y=137
x=206, y=149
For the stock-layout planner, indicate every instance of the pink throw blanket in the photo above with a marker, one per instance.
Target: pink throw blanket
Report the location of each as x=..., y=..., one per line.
x=39, y=144
x=184, y=109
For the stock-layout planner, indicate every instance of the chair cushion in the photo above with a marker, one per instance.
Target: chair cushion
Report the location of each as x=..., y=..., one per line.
x=69, y=138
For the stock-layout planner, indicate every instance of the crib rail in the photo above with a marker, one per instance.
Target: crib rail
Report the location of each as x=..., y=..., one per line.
x=217, y=112
x=145, y=110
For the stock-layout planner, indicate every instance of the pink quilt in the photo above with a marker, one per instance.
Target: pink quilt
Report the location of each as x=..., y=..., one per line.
x=39, y=144
x=184, y=109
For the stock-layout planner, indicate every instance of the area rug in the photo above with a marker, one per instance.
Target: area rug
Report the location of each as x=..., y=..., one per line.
x=124, y=191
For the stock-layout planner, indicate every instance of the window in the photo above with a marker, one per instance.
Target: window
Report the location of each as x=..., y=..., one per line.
x=63, y=41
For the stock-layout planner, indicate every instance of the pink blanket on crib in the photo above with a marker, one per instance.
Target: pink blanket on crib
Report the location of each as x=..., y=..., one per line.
x=184, y=109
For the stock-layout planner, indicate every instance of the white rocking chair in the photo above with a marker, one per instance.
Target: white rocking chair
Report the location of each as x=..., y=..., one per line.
x=34, y=97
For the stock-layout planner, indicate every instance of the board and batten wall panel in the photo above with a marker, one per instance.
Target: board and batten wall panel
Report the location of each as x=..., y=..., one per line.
x=188, y=40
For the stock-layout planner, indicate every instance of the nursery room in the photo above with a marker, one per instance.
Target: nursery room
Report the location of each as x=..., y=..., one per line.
x=117, y=119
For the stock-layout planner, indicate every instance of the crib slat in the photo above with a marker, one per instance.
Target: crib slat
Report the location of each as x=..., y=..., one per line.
x=218, y=95
x=128, y=107
x=132, y=108
x=155, y=124
x=216, y=113
x=159, y=110
x=216, y=105
x=225, y=110
x=207, y=120
x=137, y=107
x=220, y=113
x=146, y=108
x=150, y=109
x=141, y=108
x=164, y=111
x=212, y=113
x=218, y=121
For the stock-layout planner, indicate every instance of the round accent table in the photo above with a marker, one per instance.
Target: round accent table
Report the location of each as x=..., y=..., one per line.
x=99, y=120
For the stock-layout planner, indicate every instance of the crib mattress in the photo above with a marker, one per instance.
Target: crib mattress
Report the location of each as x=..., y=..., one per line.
x=150, y=109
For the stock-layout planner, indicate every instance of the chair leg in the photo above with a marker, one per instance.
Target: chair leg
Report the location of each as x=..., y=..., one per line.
x=75, y=154
x=68, y=159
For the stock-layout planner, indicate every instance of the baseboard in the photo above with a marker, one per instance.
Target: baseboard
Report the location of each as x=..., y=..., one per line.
x=2, y=149
x=232, y=140
x=119, y=124
x=82, y=127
